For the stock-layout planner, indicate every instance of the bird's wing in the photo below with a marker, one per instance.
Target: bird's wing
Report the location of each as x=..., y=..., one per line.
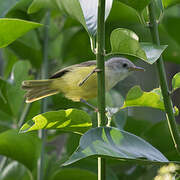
x=63, y=71
x=87, y=63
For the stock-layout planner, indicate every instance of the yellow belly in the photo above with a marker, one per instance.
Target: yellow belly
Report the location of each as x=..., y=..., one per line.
x=68, y=84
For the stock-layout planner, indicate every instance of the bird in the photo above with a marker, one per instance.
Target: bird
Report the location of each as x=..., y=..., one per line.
x=79, y=82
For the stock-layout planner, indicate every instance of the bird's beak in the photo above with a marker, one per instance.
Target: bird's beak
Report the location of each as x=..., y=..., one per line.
x=135, y=68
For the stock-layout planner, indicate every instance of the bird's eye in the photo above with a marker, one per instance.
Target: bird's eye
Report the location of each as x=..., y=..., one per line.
x=125, y=65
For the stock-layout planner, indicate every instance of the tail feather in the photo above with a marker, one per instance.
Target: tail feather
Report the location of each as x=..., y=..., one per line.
x=38, y=89
x=35, y=83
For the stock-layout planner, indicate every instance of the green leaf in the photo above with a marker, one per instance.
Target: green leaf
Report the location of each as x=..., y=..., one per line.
x=176, y=82
x=75, y=174
x=120, y=118
x=153, y=51
x=20, y=27
x=168, y=3
x=14, y=92
x=9, y=60
x=15, y=171
x=136, y=97
x=36, y=5
x=138, y=6
x=72, y=143
x=112, y=142
x=125, y=41
x=24, y=148
x=138, y=127
x=28, y=47
x=5, y=110
x=19, y=11
x=84, y=11
x=169, y=35
x=20, y=72
x=11, y=93
x=161, y=130
x=72, y=120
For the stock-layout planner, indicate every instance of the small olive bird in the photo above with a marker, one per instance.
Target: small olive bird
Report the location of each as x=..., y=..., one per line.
x=79, y=82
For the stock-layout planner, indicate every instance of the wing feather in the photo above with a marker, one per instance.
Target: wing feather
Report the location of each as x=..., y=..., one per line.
x=62, y=72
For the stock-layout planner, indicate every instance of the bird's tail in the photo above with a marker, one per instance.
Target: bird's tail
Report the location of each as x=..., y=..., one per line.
x=38, y=89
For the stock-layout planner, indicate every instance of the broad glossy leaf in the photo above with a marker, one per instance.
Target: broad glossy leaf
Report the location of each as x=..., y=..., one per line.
x=72, y=120
x=176, y=81
x=24, y=148
x=137, y=97
x=153, y=52
x=112, y=142
x=161, y=131
x=125, y=41
x=84, y=11
x=19, y=11
x=168, y=3
x=127, y=14
x=136, y=4
x=75, y=174
x=20, y=27
x=36, y=5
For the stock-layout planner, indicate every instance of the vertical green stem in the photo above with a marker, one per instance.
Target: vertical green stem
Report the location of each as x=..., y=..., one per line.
x=24, y=114
x=101, y=78
x=44, y=73
x=163, y=81
x=100, y=62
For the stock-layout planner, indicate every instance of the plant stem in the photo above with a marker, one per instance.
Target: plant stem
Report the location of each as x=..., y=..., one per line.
x=100, y=62
x=101, y=78
x=163, y=81
x=44, y=73
x=24, y=114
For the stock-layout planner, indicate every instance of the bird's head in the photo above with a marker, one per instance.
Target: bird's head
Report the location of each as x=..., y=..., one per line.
x=122, y=65
x=117, y=69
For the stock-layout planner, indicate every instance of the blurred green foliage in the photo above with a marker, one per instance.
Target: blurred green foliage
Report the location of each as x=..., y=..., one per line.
x=71, y=27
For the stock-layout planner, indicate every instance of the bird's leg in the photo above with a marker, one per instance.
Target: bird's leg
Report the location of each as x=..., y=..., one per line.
x=90, y=105
x=87, y=77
